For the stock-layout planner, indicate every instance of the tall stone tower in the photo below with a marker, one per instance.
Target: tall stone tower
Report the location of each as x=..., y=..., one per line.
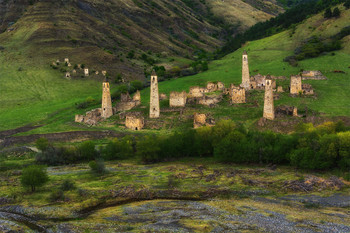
x=269, y=109
x=245, y=72
x=154, y=110
x=107, y=110
x=295, y=85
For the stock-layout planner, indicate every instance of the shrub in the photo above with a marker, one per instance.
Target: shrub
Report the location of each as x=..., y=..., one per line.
x=57, y=195
x=137, y=85
x=87, y=151
x=336, y=12
x=67, y=185
x=148, y=149
x=97, y=167
x=34, y=176
x=42, y=144
x=119, y=149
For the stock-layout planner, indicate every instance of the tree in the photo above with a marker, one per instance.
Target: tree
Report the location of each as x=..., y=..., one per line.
x=347, y=4
x=336, y=12
x=34, y=176
x=328, y=14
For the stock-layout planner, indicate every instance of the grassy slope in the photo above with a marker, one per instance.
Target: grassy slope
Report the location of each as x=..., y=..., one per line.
x=266, y=57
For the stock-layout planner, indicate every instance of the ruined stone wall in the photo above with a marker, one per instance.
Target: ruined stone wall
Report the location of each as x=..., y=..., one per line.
x=178, y=99
x=134, y=121
x=196, y=92
x=245, y=72
x=269, y=110
x=313, y=74
x=91, y=118
x=154, y=98
x=211, y=87
x=107, y=110
x=295, y=85
x=200, y=120
x=307, y=89
x=127, y=103
x=237, y=94
x=210, y=100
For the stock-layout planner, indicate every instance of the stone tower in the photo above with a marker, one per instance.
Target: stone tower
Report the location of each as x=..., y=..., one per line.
x=245, y=72
x=107, y=110
x=269, y=109
x=154, y=110
x=295, y=85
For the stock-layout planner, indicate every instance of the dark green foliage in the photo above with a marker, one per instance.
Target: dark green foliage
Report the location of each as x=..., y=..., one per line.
x=42, y=144
x=57, y=195
x=148, y=149
x=97, y=167
x=280, y=23
x=67, y=185
x=34, y=176
x=54, y=156
x=119, y=149
x=347, y=4
x=137, y=85
x=336, y=12
x=328, y=13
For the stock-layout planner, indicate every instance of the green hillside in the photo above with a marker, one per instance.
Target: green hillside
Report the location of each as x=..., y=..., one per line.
x=47, y=98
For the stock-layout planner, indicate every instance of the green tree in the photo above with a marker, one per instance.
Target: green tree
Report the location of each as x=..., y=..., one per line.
x=148, y=149
x=328, y=13
x=87, y=150
x=34, y=176
x=336, y=12
x=347, y=4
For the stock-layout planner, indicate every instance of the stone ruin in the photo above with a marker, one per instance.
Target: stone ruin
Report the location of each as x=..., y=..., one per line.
x=280, y=89
x=99, y=114
x=104, y=73
x=258, y=81
x=269, y=109
x=178, y=99
x=127, y=103
x=200, y=120
x=286, y=111
x=86, y=72
x=210, y=100
x=163, y=96
x=90, y=118
x=297, y=87
x=67, y=75
x=307, y=89
x=237, y=94
x=134, y=121
x=313, y=74
x=66, y=60
x=197, y=92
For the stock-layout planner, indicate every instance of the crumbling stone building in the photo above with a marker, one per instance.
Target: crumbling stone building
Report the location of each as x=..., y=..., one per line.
x=86, y=72
x=269, y=110
x=200, y=120
x=307, y=89
x=312, y=74
x=237, y=94
x=295, y=85
x=154, y=98
x=245, y=71
x=134, y=121
x=107, y=109
x=178, y=99
x=90, y=118
x=127, y=103
x=197, y=92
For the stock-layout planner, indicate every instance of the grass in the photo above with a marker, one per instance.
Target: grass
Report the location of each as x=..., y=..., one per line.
x=40, y=95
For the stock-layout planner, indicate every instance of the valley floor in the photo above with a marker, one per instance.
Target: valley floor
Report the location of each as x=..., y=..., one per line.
x=190, y=195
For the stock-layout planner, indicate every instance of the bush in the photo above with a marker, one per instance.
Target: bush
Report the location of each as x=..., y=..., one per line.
x=97, y=167
x=148, y=149
x=119, y=149
x=67, y=185
x=34, y=176
x=87, y=151
x=42, y=144
x=137, y=85
x=57, y=195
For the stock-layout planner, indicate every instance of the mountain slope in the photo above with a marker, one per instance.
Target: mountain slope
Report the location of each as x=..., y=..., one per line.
x=102, y=33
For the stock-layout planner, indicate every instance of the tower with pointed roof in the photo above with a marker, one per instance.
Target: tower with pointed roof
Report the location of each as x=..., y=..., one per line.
x=154, y=110
x=245, y=71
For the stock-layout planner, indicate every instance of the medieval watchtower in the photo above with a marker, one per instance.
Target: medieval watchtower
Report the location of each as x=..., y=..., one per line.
x=245, y=71
x=154, y=110
x=107, y=110
x=269, y=109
